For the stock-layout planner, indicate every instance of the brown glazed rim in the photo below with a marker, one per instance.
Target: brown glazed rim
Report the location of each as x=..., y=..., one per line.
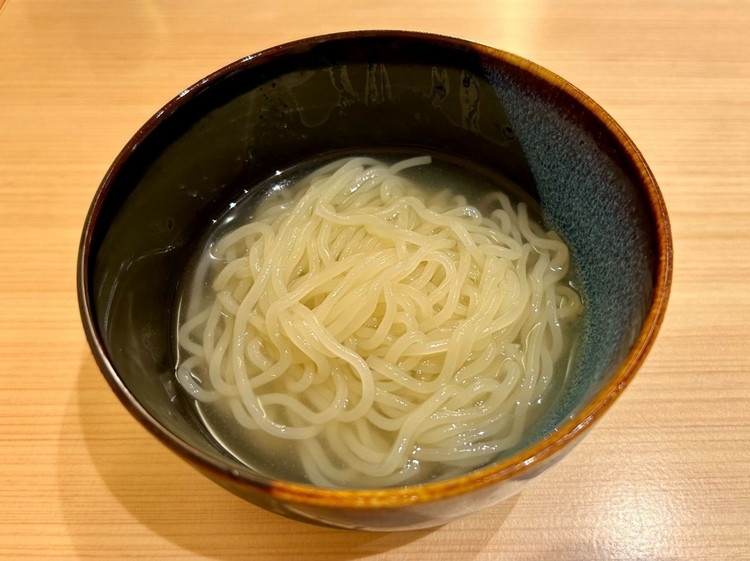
x=410, y=495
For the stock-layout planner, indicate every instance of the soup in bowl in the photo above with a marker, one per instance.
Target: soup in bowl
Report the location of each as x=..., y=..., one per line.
x=375, y=280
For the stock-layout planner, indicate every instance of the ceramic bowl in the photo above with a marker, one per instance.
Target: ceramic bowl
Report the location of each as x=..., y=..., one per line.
x=364, y=91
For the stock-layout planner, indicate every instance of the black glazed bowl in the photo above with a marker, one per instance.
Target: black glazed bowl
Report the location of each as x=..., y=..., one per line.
x=366, y=90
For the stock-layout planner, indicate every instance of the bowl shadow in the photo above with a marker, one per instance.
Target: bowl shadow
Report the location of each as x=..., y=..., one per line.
x=160, y=493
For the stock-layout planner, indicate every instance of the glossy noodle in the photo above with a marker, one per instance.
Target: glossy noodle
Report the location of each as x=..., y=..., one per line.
x=387, y=331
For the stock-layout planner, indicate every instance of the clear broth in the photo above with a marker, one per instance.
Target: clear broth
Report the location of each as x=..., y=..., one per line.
x=277, y=458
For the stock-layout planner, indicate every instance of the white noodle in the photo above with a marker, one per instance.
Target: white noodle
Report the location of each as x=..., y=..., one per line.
x=381, y=328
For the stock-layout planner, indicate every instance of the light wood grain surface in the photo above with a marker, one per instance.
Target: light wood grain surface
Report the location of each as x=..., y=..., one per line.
x=666, y=474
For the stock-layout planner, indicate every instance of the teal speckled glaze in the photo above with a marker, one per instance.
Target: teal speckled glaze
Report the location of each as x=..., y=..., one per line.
x=598, y=210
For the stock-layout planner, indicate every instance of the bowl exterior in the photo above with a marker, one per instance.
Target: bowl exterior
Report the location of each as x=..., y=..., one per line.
x=381, y=517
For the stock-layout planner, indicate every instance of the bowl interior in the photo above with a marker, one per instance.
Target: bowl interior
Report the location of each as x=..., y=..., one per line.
x=359, y=93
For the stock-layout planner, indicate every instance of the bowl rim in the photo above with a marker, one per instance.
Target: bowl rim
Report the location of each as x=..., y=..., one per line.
x=523, y=460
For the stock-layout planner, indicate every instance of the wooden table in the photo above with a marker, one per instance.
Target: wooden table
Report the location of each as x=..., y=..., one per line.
x=666, y=474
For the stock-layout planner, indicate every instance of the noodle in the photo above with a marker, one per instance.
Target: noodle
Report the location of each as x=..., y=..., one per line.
x=382, y=329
